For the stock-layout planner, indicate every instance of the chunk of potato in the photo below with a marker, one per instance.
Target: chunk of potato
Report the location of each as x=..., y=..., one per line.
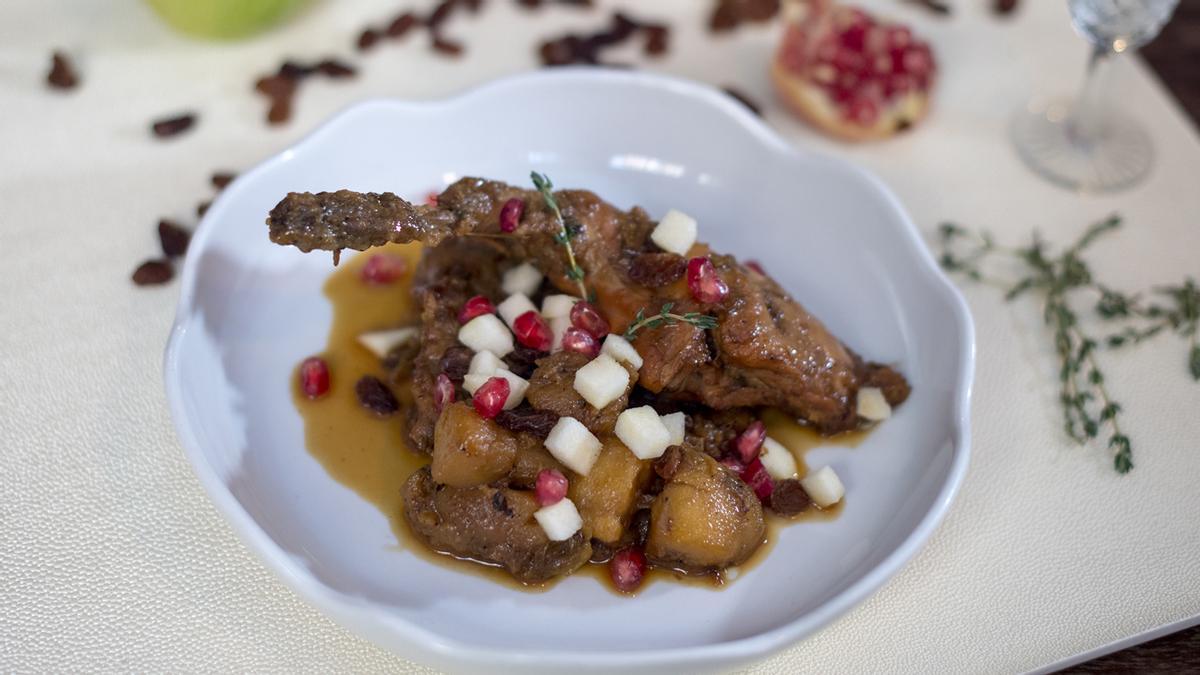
x=469, y=450
x=607, y=495
x=705, y=518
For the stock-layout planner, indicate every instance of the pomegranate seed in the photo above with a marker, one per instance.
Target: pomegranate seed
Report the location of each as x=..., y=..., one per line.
x=551, y=487
x=510, y=214
x=627, y=569
x=756, y=266
x=750, y=441
x=756, y=476
x=585, y=317
x=314, y=377
x=474, y=307
x=443, y=392
x=531, y=331
x=490, y=397
x=431, y=199
x=578, y=340
x=383, y=268
x=863, y=112
x=703, y=282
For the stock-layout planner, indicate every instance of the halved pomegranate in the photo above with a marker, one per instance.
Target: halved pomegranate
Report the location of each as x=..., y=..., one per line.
x=851, y=74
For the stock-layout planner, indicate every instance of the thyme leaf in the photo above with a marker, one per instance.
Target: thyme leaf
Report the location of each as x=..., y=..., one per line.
x=665, y=317
x=566, y=232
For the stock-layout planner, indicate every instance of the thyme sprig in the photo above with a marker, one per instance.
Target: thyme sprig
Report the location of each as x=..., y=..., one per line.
x=1086, y=403
x=667, y=318
x=566, y=232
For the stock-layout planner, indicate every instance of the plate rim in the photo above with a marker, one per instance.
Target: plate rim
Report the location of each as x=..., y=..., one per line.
x=381, y=627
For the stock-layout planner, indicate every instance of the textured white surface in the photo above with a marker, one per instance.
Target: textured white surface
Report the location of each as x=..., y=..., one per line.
x=112, y=559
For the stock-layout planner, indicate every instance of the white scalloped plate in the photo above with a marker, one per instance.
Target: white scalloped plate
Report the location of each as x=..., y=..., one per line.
x=828, y=231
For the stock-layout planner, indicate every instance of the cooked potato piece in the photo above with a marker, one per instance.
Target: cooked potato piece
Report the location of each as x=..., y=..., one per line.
x=705, y=518
x=607, y=494
x=470, y=450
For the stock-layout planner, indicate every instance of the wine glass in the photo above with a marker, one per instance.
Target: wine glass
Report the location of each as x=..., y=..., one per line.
x=1084, y=143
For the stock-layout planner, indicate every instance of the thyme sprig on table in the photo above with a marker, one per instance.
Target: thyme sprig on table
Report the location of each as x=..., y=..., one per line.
x=1086, y=402
x=666, y=318
x=566, y=232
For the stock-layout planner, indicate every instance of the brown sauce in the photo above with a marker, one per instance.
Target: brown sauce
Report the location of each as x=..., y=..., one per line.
x=370, y=455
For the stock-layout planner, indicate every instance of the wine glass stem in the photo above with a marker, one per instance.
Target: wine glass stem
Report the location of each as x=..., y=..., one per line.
x=1086, y=117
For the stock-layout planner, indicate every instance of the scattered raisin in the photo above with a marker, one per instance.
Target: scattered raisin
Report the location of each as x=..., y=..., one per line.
x=335, y=69
x=367, y=39
x=668, y=465
x=657, y=40
x=655, y=270
x=222, y=179
x=455, y=363
x=276, y=86
x=744, y=100
x=789, y=498
x=280, y=111
x=295, y=71
x=440, y=14
x=448, y=47
x=1005, y=6
x=529, y=420
x=729, y=14
x=401, y=25
x=640, y=527
x=62, y=73
x=172, y=126
x=153, y=273
x=375, y=396
x=585, y=49
x=202, y=208
x=173, y=237
x=522, y=360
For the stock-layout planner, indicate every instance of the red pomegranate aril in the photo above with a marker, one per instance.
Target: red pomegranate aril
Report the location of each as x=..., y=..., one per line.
x=443, y=392
x=490, y=397
x=579, y=340
x=551, y=487
x=510, y=214
x=586, y=317
x=627, y=569
x=756, y=476
x=314, y=377
x=732, y=463
x=862, y=111
x=750, y=441
x=431, y=199
x=704, y=283
x=531, y=330
x=384, y=268
x=476, y=306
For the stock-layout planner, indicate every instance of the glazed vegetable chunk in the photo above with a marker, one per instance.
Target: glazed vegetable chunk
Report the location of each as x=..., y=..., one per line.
x=607, y=495
x=470, y=450
x=705, y=518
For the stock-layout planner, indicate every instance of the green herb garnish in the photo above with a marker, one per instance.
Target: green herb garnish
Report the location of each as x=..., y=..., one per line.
x=1086, y=403
x=565, y=232
x=666, y=318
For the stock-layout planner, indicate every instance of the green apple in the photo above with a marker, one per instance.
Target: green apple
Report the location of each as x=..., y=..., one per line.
x=223, y=18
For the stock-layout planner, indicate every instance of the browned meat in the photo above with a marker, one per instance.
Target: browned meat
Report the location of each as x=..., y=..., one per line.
x=532, y=458
x=712, y=431
x=552, y=388
x=492, y=525
x=704, y=519
x=766, y=351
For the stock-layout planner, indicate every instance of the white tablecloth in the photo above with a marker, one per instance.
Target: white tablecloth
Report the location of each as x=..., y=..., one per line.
x=111, y=558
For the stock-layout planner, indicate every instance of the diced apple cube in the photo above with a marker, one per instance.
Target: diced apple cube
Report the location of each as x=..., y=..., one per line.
x=643, y=432
x=601, y=381
x=676, y=232
x=823, y=487
x=523, y=278
x=486, y=363
x=555, y=306
x=779, y=462
x=872, y=406
x=513, y=306
x=676, y=424
x=473, y=381
x=558, y=326
x=620, y=349
x=380, y=342
x=560, y=521
x=572, y=444
x=517, y=386
x=486, y=333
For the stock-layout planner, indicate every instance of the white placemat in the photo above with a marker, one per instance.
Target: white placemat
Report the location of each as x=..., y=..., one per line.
x=111, y=558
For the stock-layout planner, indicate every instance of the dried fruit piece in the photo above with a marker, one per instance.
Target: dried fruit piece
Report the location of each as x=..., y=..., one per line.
x=173, y=126
x=443, y=392
x=153, y=273
x=528, y=420
x=789, y=498
x=375, y=396
x=173, y=238
x=704, y=283
x=221, y=179
x=367, y=39
x=314, y=377
x=585, y=316
x=383, y=268
x=401, y=25
x=627, y=569
x=489, y=399
x=456, y=362
x=62, y=73
x=335, y=69
x=551, y=487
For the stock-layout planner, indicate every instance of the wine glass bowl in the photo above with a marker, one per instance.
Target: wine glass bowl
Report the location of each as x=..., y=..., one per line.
x=1083, y=143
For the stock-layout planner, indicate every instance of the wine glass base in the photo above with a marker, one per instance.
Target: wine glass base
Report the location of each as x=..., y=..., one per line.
x=1117, y=155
